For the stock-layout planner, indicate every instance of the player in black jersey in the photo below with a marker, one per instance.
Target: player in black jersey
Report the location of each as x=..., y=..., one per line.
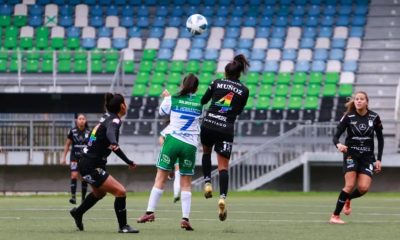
x=359, y=163
x=228, y=98
x=78, y=138
x=104, y=140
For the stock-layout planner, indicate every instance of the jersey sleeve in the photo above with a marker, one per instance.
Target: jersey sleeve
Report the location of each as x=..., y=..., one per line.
x=165, y=107
x=378, y=123
x=208, y=94
x=244, y=101
x=70, y=135
x=343, y=124
x=113, y=130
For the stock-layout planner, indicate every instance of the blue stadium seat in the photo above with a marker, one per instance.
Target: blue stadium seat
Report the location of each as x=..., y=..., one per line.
x=35, y=10
x=96, y=11
x=194, y=3
x=281, y=21
x=275, y=43
x=278, y=32
x=159, y=22
x=302, y=66
x=289, y=54
x=222, y=11
x=257, y=54
x=65, y=21
x=325, y=32
x=316, y=2
x=249, y=21
x=184, y=33
x=357, y=32
x=237, y=11
x=134, y=2
x=245, y=43
x=300, y=2
x=156, y=32
x=164, y=54
x=245, y=52
x=320, y=54
x=329, y=10
x=57, y=2
x=127, y=11
x=89, y=2
x=126, y=22
x=298, y=10
x=35, y=21
x=88, y=43
x=211, y=54
x=199, y=43
x=350, y=66
x=174, y=22
x=119, y=43
x=143, y=22
x=270, y=2
x=256, y=66
x=336, y=54
x=283, y=11
x=309, y=32
x=112, y=10
x=134, y=32
x=307, y=43
x=105, y=2
x=162, y=11
x=5, y=10
x=219, y=21
x=150, y=2
x=338, y=43
x=361, y=10
x=232, y=32
x=177, y=11
x=311, y=21
x=42, y=2
x=209, y=2
x=191, y=10
x=239, y=3
x=314, y=10
x=142, y=11
x=327, y=21
x=96, y=21
x=271, y=66
x=168, y=43
x=119, y=2
x=265, y=21
x=224, y=2
x=297, y=21
x=285, y=2
x=358, y=21
x=262, y=32
x=208, y=11
x=268, y=11
x=318, y=66
x=344, y=10
x=343, y=21
x=195, y=54
x=104, y=32
x=229, y=43
x=66, y=10
x=346, y=2
x=235, y=22
x=73, y=32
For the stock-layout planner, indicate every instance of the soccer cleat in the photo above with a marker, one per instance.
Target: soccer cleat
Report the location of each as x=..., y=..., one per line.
x=72, y=200
x=128, y=229
x=186, y=225
x=335, y=219
x=222, y=212
x=146, y=218
x=176, y=199
x=347, y=207
x=208, y=190
x=78, y=219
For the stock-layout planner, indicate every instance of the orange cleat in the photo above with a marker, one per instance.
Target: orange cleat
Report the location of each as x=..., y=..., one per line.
x=347, y=207
x=186, y=225
x=335, y=219
x=146, y=218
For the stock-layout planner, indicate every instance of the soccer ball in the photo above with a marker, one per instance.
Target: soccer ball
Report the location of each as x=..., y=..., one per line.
x=196, y=24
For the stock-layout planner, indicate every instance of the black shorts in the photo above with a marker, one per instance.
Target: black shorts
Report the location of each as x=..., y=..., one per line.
x=95, y=176
x=73, y=165
x=360, y=163
x=222, y=141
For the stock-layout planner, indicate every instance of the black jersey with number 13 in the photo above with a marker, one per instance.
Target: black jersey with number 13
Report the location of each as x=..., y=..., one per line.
x=228, y=100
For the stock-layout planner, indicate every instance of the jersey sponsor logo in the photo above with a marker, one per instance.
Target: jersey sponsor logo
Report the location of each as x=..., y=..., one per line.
x=187, y=163
x=88, y=179
x=230, y=87
x=225, y=102
x=349, y=161
x=219, y=117
x=165, y=158
x=215, y=123
x=116, y=120
x=353, y=122
x=361, y=149
x=362, y=126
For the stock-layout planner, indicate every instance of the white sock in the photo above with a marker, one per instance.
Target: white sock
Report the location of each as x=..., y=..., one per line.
x=177, y=184
x=186, y=198
x=154, y=198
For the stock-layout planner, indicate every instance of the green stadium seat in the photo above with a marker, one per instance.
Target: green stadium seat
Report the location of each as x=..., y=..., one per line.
x=42, y=43
x=315, y=78
x=47, y=66
x=14, y=65
x=64, y=54
x=284, y=78
x=345, y=90
x=5, y=21
x=3, y=65
x=279, y=103
x=329, y=90
x=73, y=43
x=129, y=66
x=209, y=66
x=149, y=54
x=205, y=78
x=174, y=78
x=250, y=103
x=193, y=66
x=263, y=102
x=26, y=43
x=32, y=66
x=33, y=54
x=97, y=66
x=297, y=90
x=14, y=55
x=295, y=103
x=10, y=42
x=268, y=78
x=252, y=78
x=20, y=21
x=57, y=43
x=155, y=90
x=173, y=88
x=11, y=31
x=111, y=66
x=252, y=90
x=42, y=32
x=202, y=89
x=146, y=66
x=96, y=54
x=161, y=66
x=139, y=90
x=219, y=75
x=313, y=90
x=64, y=66
x=3, y=53
x=265, y=90
x=177, y=66
x=80, y=54
x=159, y=78
x=311, y=103
x=332, y=78
x=111, y=55
x=300, y=78
x=281, y=90
x=48, y=54
x=80, y=66
x=142, y=78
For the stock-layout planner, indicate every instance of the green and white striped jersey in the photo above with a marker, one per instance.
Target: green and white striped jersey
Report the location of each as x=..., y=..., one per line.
x=184, y=112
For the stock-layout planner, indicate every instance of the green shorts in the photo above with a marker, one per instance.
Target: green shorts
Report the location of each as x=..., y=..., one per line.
x=176, y=151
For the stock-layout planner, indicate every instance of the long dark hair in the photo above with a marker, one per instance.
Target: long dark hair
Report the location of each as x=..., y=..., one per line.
x=113, y=102
x=350, y=107
x=237, y=66
x=76, y=119
x=189, y=85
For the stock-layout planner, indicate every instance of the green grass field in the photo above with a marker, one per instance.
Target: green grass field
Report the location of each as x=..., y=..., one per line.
x=252, y=215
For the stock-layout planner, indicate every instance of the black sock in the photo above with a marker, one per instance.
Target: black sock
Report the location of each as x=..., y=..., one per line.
x=73, y=187
x=223, y=183
x=186, y=219
x=343, y=196
x=149, y=212
x=84, y=190
x=120, y=210
x=206, y=165
x=89, y=202
x=355, y=194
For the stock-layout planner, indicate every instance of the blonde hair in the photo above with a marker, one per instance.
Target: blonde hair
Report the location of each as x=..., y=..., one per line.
x=350, y=107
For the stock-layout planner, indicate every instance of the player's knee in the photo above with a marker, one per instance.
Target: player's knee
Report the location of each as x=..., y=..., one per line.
x=121, y=192
x=99, y=195
x=348, y=188
x=363, y=189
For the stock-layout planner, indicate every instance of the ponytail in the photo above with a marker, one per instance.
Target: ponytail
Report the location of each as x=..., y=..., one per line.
x=189, y=85
x=113, y=102
x=239, y=65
